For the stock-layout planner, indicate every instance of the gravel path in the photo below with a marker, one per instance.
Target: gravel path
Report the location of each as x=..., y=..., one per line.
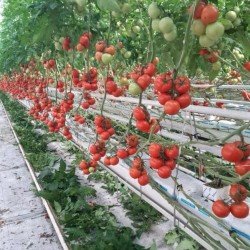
x=23, y=219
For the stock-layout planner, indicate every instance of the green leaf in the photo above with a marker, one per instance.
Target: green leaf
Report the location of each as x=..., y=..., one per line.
x=187, y=244
x=62, y=165
x=171, y=237
x=110, y=5
x=58, y=207
x=212, y=75
x=153, y=247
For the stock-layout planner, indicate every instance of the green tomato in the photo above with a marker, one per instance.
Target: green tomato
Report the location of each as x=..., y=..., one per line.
x=126, y=8
x=81, y=2
x=215, y=30
x=216, y=66
x=140, y=22
x=123, y=50
x=127, y=54
x=231, y=15
x=106, y=58
x=58, y=46
x=123, y=81
x=115, y=14
x=237, y=9
x=237, y=22
x=136, y=29
x=166, y=25
x=205, y=41
x=134, y=89
x=153, y=10
x=198, y=28
x=171, y=35
x=227, y=24
x=155, y=25
x=91, y=170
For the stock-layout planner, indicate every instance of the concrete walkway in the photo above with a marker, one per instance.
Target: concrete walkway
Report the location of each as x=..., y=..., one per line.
x=23, y=219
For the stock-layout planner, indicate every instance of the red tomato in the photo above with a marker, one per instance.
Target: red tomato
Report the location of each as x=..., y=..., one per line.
x=246, y=65
x=105, y=135
x=100, y=46
x=239, y=210
x=122, y=153
x=139, y=114
x=198, y=9
x=143, y=180
x=149, y=69
x=182, y=84
x=245, y=95
x=114, y=160
x=170, y=163
x=143, y=126
x=106, y=161
x=156, y=162
x=164, y=172
x=230, y=152
x=144, y=81
x=238, y=192
x=172, y=152
x=172, y=107
x=132, y=140
x=163, y=98
x=131, y=150
x=134, y=173
x=241, y=168
x=163, y=83
x=220, y=209
x=98, y=120
x=137, y=163
x=184, y=100
x=154, y=150
x=209, y=14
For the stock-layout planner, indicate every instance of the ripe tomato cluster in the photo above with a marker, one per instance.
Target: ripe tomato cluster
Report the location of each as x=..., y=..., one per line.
x=237, y=153
x=49, y=64
x=79, y=119
x=84, y=41
x=143, y=121
x=238, y=208
x=172, y=93
x=112, y=88
x=132, y=142
x=163, y=159
x=97, y=150
x=137, y=171
x=88, y=167
x=103, y=127
x=89, y=100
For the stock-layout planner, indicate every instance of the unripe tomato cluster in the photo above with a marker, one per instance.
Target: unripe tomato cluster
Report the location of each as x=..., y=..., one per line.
x=205, y=25
x=143, y=121
x=103, y=127
x=172, y=93
x=164, y=25
x=104, y=53
x=238, y=208
x=163, y=159
x=88, y=167
x=132, y=142
x=137, y=171
x=237, y=153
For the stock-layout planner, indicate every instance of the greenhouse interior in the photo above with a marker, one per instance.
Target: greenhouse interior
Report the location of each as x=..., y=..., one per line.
x=124, y=124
